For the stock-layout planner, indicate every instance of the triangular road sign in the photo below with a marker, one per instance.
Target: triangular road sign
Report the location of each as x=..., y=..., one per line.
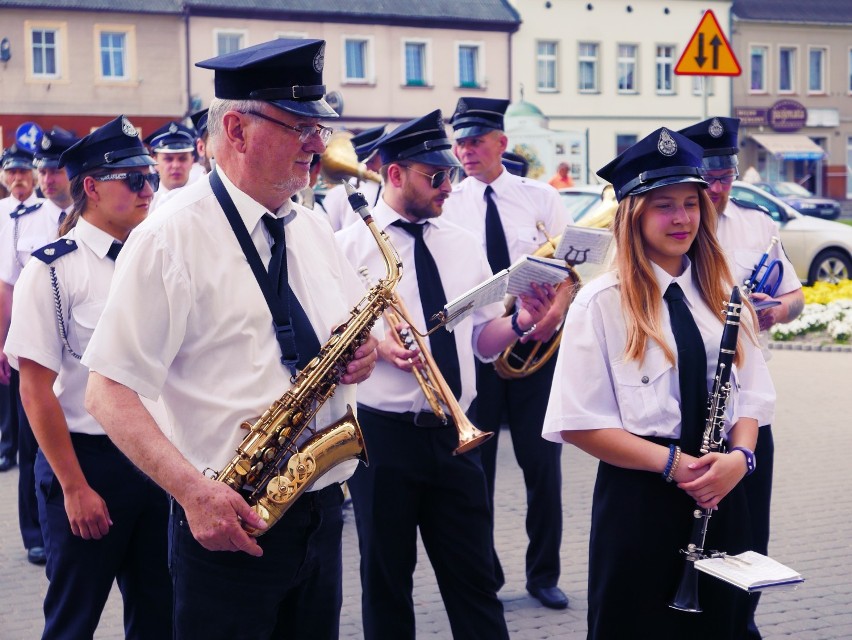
x=708, y=52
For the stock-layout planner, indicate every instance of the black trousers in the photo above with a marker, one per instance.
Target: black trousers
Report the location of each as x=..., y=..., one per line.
x=28, y=518
x=639, y=525
x=8, y=421
x=133, y=552
x=523, y=402
x=292, y=591
x=758, y=488
x=414, y=482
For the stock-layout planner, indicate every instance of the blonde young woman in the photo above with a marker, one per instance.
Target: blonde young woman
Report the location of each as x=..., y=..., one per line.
x=617, y=395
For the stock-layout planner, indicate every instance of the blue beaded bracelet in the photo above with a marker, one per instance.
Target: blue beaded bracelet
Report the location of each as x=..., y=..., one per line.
x=668, y=469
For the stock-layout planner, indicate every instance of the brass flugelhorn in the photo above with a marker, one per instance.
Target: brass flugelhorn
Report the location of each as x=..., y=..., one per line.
x=433, y=385
x=340, y=162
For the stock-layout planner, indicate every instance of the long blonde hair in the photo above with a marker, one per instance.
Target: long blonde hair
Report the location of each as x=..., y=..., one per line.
x=641, y=298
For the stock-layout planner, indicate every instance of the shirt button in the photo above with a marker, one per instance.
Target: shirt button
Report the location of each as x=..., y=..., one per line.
x=644, y=379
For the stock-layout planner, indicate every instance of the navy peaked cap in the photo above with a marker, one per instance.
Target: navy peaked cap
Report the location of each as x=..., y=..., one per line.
x=718, y=137
x=53, y=144
x=419, y=140
x=286, y=73
x=16, y=158
x=475, y=116
x=364, y=142
x=662, y=158
x=172, y=137
x=199, y=121
x=114, y=145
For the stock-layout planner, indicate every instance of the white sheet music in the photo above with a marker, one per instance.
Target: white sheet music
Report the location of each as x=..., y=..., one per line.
x=531, y=269
x=583, y=244
x=492, y=290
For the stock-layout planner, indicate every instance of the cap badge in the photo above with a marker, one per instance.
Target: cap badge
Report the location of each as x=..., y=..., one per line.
x=666, y=144
x=173, y=128
x=716, y=129
x=319, y=59
x=127, y=128
x=439, y=122
x=45, y=143
x=461, y=107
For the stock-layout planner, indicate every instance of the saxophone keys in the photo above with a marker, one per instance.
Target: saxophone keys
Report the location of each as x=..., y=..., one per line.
x=280, y=490
x=301, y=466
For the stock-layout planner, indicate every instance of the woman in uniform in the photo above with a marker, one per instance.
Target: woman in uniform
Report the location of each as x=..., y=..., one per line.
x=622, y=393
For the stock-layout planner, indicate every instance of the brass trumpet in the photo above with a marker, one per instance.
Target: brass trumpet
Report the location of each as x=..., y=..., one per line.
x=433, y=385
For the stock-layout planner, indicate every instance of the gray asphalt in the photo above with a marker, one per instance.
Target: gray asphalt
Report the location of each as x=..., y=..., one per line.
x=812, y=514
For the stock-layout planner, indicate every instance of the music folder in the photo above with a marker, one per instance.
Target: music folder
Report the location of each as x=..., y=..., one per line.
x=750, y=571
x=579, y=245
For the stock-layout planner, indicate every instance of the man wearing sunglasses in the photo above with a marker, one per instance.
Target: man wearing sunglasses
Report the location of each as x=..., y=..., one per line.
x=103, y=521
x=745, y=233
x=504, y=211
x=413, y=472
x=212, y=312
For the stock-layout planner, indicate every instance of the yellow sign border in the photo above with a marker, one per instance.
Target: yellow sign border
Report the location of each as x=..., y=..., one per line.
x=686, y=65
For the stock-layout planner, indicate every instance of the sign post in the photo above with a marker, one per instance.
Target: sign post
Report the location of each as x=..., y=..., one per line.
x=708, y=54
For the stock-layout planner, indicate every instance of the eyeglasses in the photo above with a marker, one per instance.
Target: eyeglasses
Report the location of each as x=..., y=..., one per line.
x=437, y=178
x=135, y=181
x=305, y=131
x=727, y=180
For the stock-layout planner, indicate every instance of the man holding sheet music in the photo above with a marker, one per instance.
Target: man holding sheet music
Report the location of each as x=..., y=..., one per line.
x=503, y=211
x=414, y=479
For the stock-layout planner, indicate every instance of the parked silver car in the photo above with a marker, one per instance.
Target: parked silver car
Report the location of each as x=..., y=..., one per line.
x=802, y=200
x=820, y=250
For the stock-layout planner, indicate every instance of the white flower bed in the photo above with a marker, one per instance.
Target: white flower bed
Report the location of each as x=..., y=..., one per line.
x=834, y=318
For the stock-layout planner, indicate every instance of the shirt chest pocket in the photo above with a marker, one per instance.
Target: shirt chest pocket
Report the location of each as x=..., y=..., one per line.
x=744, y=264
x=529, y=238
x=28, y=244
x=644, y=393
x=84, y=320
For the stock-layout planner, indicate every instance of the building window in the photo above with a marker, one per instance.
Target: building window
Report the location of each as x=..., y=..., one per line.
x=757, y=60
x=700, y=84
x=849, y=78
x=470, y=74
x=416, y=73
x=291, y=35
x=623, y=141
x=44, y=52
x=588, y=69
x=627, y=64
x=816, y=70
x=546, y=66
x=665, y=63
x=357, y=61
x=113, y=55
x=229, y=41
x=786, y=70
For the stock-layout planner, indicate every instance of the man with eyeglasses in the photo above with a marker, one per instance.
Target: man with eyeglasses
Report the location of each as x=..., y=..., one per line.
x=27, y=230
x=746, y=233
x=504, y=212
x=102, y=520
x=222, y=296
x=414, y=480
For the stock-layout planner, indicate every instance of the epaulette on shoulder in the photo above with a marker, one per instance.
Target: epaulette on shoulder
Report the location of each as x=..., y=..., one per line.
x=54, y=250
x=748, y=204
x=33, y=207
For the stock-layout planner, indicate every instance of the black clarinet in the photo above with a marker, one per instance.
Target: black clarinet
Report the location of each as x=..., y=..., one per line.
x=686, y=597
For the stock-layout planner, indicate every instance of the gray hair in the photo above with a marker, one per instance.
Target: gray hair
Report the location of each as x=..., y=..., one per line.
x=218, y=108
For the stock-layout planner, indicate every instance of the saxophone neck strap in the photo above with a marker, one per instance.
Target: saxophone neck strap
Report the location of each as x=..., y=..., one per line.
x=279, y=306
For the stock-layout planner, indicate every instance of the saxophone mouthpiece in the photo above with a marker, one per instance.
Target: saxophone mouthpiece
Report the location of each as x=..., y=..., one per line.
x=358, y=202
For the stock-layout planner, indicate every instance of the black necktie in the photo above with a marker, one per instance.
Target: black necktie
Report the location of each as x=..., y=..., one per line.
x=114, y=249
x=495, y=238
x=691, y=368
x=304, y=340
x=62, y=216
x=432, y=298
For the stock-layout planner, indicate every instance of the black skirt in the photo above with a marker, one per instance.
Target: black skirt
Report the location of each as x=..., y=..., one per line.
x=639, y=525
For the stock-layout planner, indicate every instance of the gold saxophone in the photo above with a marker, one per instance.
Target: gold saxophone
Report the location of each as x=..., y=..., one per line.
x=282, y=457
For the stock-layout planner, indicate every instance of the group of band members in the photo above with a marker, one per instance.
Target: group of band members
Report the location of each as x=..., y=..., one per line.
x=152, y=362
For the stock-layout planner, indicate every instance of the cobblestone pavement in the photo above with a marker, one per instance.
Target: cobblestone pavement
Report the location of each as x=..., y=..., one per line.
x=811, y=518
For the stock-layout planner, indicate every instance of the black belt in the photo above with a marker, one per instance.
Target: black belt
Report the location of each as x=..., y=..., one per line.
x=424, y=419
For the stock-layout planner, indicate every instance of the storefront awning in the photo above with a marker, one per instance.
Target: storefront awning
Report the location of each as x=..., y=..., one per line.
x=790, y=146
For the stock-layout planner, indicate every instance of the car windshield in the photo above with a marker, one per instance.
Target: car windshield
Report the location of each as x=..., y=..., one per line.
x=579, y=203
x=792, y=189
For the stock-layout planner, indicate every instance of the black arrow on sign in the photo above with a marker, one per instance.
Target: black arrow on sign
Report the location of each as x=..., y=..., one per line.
x=700, y=58
x=715, y=43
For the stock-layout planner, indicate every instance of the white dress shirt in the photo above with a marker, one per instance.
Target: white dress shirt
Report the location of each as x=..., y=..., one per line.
x=83, y=278
x=336, y=203
x=10, y=203
x=461, y=264
x=34, y=230
x=522, y=203
x=187, y=319
x=595, y=387
x=744, y=235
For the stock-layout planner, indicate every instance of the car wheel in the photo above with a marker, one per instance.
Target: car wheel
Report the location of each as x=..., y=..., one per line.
x=831, y=265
